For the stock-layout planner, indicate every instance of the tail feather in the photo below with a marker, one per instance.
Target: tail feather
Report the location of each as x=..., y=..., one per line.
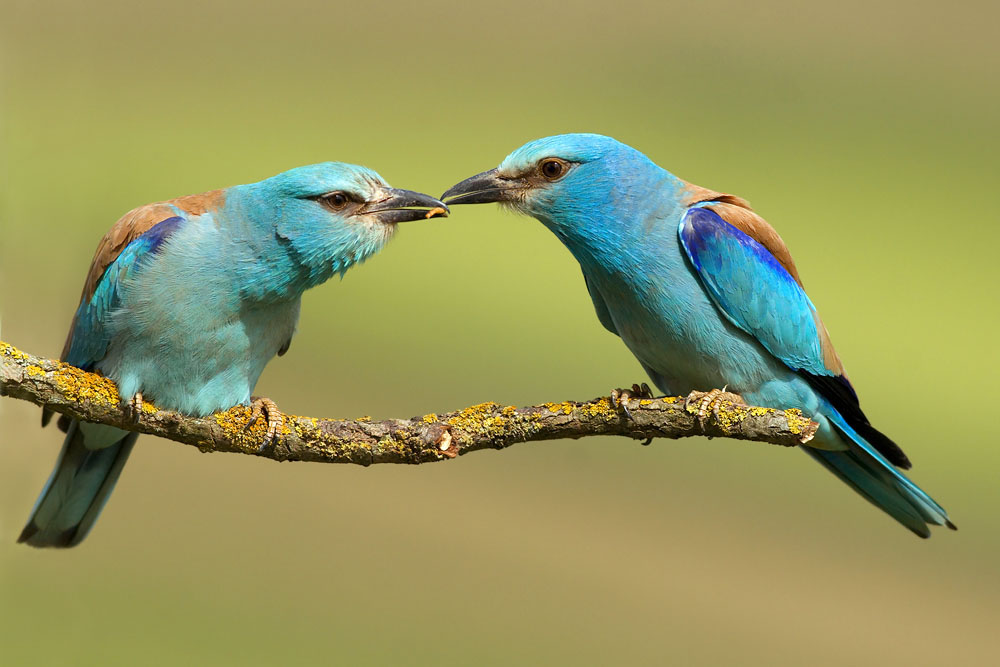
x=854, y=473
x=91, y=460
x=868, y=472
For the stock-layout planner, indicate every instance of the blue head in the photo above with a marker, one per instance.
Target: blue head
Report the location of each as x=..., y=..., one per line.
x=586, y=188
x=321, y=219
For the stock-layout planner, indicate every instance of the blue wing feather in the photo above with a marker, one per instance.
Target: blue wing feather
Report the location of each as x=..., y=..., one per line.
x=89, y=339
x=753, y=290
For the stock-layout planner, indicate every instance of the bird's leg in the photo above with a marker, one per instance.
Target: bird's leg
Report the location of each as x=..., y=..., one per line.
x=620, y=398
x=711, y=400
x=275, y=420
x=133, y=407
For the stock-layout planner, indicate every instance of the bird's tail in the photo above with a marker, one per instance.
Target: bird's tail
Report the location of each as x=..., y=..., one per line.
x=869, y=473
x=91, y=460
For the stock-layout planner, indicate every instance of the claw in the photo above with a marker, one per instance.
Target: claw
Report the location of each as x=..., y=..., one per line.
x=275, y=420
x=620, y=398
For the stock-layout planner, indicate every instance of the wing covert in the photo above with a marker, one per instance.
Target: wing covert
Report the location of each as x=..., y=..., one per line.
x=88, y=339
x=755, y=291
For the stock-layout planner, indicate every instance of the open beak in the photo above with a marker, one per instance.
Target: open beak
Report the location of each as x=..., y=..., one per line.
x=483, y=188
x=405, y=206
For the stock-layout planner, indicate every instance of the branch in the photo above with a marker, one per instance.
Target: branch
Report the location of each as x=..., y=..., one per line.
x=94, y=398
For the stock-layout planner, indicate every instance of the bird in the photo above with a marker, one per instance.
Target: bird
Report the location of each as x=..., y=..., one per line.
x=186, y=301
x=705, y=294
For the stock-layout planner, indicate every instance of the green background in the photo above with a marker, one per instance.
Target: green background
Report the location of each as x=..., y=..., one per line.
x=866, y=133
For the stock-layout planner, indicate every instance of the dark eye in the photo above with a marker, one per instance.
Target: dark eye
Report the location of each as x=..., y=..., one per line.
x=553, y=169
x=335, y=201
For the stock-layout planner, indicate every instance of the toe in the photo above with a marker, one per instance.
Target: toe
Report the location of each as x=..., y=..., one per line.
x=273, y=417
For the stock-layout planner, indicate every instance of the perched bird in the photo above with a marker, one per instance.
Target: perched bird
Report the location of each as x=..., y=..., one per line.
x=704, y=293
x=188, y=299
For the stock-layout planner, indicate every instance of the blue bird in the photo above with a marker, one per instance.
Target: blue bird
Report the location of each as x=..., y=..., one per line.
x=188, y=299
x=704, y=293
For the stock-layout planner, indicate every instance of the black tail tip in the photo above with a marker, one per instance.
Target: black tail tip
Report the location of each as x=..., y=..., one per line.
x=65, y=539
x=948, y=523
x=28, y=532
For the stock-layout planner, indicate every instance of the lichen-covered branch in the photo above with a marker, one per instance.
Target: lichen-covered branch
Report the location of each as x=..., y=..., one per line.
x=434, y=437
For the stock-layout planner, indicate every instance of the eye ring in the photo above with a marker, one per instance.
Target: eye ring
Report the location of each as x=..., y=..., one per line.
x=552, y=169
x=335, y=201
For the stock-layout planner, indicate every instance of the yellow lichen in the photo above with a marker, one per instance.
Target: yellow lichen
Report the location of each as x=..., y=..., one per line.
x=600, y=408
x=492, y=421
x=35, y=371
x=431, y=418
x=729, y=415
x=796, y=422
x=9, y=350
x=645, y=402
x=670, y=399
x=478, y=418
x=234, y=425
x=78, y=385
x=388, y=443
x=298, y=424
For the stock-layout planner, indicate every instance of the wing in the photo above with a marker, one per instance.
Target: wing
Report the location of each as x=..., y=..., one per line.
x=601, y=308
x=88, y=339
x=113, y=257
x=756, y=292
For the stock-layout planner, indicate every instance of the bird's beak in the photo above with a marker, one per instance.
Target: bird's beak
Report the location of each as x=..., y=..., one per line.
x=484, y=188
x=405, y=206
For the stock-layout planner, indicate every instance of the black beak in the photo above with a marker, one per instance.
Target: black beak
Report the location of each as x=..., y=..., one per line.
x=483, y=188
x=405, y=206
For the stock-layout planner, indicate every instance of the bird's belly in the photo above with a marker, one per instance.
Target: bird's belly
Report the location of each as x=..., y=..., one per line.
x=193, y=355
x=680, y=337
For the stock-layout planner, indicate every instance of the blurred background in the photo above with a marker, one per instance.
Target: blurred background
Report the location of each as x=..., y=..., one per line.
x=866, y=133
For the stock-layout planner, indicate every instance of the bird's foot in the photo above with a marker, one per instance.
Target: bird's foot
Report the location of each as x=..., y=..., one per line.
x=620, y=398
x=133, y=407
x=709, y=401
x=267, y=408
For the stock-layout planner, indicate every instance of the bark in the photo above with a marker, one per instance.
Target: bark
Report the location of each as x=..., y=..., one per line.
x=435, y=437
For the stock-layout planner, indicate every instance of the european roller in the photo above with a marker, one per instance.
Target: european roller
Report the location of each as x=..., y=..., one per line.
x=188, y=299
x=705, y=294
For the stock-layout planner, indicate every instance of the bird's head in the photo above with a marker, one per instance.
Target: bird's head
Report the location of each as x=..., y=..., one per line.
x=332, y=215
x=581, y=186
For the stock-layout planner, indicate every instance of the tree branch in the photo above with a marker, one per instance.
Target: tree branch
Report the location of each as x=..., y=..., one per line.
x=90, y=397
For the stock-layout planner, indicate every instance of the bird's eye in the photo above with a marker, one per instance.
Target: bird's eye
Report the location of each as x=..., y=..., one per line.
x=335, y=201
x=553, y=169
